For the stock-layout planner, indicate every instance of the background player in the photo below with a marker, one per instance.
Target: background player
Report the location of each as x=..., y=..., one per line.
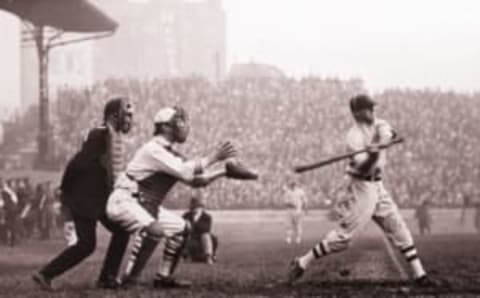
x=296, y=203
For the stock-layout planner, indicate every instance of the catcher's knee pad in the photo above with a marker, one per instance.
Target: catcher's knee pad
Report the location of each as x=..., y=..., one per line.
x=181, y=236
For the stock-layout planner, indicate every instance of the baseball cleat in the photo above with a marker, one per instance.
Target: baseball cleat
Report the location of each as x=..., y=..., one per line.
x=295, y=271
x=44, y=282
x=169, y=282
x=128, y=282
x=427, y=281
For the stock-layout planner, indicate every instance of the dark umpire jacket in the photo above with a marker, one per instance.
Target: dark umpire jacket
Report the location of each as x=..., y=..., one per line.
x=201, y=226
x=87, y=180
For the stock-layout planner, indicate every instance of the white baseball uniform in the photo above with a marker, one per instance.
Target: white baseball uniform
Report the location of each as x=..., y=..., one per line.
x=295, y=199
x=160, y=168
x=370, y=200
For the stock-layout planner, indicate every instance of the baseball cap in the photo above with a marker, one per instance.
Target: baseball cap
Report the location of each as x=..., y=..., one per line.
x=164, y=115
x=360, y=102
x=196, y=202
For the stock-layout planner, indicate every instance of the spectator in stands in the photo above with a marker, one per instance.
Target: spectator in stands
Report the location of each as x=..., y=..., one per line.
x=38, y=204
x=27, y=212
x=476, y=221
x=10, y=206
x=260, y=114
x=202, y=244
x=46, y=211
x=3, y=228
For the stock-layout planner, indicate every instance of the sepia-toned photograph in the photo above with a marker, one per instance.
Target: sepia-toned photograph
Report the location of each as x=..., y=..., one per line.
x=239, y=148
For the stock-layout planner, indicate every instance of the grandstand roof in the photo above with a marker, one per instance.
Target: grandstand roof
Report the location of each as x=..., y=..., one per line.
x=67, y=15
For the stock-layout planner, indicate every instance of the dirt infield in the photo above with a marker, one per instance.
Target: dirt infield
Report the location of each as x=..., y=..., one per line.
x=253, y=256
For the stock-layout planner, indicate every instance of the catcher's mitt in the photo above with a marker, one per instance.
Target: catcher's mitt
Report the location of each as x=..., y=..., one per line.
x=236, y=170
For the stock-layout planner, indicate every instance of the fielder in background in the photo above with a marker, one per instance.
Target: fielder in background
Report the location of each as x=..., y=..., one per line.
x=296, y=204
x=370, y=200
x=202, y=244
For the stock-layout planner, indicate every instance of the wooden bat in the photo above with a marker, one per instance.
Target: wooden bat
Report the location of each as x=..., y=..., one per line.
x=319, y=164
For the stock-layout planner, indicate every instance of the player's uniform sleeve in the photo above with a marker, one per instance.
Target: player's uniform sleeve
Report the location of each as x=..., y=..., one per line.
x=164, y=161
x=384, y=132
x=356, y=142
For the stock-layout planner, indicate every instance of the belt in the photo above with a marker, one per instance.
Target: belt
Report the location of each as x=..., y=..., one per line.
x=135, y=195
x=371, y=178
x=130, y=177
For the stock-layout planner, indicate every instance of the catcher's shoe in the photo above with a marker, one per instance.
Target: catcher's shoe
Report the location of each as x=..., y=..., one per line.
x=44, y=282
x=295, y=271
x=128, y=282
x=236, y=170
x=169, y=282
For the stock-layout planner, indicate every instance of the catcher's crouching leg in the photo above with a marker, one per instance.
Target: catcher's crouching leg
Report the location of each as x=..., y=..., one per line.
x=142, y=250
x=174, y=247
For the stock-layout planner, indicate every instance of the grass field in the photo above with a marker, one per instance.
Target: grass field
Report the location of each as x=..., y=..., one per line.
x=253, y=255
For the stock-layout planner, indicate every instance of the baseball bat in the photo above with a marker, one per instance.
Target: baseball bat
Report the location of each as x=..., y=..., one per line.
x=319, y=164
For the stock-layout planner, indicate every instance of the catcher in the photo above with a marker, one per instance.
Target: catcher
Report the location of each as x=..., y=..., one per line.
x=136, y=202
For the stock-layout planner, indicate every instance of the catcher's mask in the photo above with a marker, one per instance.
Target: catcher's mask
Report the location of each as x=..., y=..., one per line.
x=176, y=119
x=119, y=111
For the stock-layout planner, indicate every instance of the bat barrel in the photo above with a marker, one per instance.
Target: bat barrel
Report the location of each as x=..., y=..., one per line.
x=301, y=169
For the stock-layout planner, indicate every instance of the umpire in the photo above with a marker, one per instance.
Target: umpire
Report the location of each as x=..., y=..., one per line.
x=86, y=184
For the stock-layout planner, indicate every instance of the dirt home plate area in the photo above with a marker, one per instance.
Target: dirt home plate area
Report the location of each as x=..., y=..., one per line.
x=253, y=259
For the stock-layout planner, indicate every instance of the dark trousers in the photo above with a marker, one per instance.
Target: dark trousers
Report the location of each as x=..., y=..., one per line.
x=85, y=246
x=196, y=251
x=11, y=230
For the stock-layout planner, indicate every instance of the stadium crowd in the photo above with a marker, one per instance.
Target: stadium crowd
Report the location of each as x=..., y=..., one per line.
x=28, y=211
x=278, y=123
